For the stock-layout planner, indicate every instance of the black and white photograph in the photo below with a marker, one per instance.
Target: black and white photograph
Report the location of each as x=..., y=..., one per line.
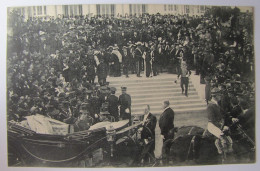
x=130, y=85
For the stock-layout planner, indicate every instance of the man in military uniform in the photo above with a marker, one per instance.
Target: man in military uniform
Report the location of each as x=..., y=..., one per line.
x=185, y=73
x=125, y=105
x=113, y=104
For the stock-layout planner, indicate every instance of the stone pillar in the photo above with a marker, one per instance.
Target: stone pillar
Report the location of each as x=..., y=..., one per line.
x=59, y=10
x=93, y=9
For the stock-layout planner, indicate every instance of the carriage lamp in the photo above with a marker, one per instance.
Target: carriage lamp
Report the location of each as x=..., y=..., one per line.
x=111, y=134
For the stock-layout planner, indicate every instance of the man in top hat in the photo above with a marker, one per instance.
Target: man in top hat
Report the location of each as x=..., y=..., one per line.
x=113, y=104
x=125, y=105
x=216, y=123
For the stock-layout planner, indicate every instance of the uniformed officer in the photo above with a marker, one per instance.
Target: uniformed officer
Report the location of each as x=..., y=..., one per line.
x=125, y=105
x=113, y=104
x=185, y=73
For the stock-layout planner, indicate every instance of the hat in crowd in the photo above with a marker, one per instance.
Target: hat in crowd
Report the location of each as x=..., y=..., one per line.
x=207, y=78
x=167, y=102
x=123, y=88
x=115, y=47
x=131, y=45
x=138, y=43
x=215, y=92
x=96, y=52
x=41, y=33
x=89, y=91
x=66, y=102
x=110, y=47
x=113, y=89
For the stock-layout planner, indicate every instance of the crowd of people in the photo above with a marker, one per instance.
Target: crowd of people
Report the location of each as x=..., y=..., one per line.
x=52, y=63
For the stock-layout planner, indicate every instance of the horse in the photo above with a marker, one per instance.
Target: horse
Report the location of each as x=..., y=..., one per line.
x=191, y=145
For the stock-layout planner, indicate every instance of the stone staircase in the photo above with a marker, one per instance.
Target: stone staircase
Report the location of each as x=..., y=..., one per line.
x=154, y=91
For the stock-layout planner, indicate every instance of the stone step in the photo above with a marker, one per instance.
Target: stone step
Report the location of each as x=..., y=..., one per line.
x=158, y=106
x=138, y=84
x=141, y=80
x=172, y=102
x=160, y=94
x=118, y=87
x=162, y=98
x=193, y=110
x=152, y=87
x=155, y=89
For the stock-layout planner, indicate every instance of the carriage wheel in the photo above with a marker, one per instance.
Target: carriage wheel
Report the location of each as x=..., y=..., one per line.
x=145, y=152
x=126, y=152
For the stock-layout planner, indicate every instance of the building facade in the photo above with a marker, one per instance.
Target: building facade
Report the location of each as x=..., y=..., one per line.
x=109, y=9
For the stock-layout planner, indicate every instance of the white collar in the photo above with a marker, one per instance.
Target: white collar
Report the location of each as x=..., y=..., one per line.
x=146, y=115
x=166, y=108
x=214, y=101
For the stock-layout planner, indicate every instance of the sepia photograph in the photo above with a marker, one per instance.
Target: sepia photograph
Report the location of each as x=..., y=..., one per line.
x=130, y=85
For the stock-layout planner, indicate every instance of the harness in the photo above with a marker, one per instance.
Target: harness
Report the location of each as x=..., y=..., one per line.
x=192, y=144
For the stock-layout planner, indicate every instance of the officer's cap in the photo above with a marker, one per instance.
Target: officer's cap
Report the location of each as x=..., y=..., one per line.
x=113, y=89
x=123, y=88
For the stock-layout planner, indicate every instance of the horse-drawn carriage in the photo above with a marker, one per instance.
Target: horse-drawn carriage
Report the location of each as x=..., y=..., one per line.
x=109, y=143
x=191, y=146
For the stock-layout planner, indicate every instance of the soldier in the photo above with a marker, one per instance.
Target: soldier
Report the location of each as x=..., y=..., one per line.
x=113, y=104
x=185, y=73
x=125, y=105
